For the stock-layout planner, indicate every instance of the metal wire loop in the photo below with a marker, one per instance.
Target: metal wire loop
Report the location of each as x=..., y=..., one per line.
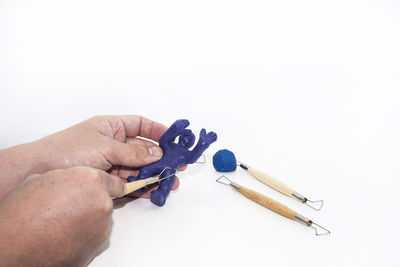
x=314, y=204
x=203, y=161
x=221, y=180
x=319, y=230
x=166, y=168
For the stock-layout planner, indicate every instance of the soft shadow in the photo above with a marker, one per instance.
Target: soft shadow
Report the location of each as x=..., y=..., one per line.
x=121, y=202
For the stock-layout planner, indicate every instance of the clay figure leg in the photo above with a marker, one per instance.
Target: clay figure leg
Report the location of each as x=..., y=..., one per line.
x=159, y=195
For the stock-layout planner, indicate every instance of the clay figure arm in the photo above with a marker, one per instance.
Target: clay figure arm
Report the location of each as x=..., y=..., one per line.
x=176, y=129
x=205, y=140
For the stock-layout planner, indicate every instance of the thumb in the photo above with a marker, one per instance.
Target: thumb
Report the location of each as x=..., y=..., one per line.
x=114, y=185
x=133, y=155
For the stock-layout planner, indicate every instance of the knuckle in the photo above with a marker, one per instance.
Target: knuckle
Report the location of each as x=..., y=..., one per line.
x=108, y=205
x=109, y=151
x=102, y=204
x=79, y=171
x=139, y=151
x=119, y=190
x=92, y=175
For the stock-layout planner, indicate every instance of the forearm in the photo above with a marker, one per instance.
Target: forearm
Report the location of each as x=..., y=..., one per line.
x=17, y=163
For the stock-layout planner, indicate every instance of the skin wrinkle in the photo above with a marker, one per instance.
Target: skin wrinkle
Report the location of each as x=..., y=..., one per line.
x=139, y=130
x=152, y=129
x=120, y=133
x=106, y=127
x=128, y=130
x=124, y=128
x=151, y=134
x=110, y=126
x=140, y=124
x=107, y=165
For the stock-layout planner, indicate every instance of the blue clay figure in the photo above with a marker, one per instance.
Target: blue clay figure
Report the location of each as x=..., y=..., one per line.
x=224, y=161
x=175, y=156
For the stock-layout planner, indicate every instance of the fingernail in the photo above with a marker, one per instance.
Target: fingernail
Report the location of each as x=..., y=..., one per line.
x=155, y=152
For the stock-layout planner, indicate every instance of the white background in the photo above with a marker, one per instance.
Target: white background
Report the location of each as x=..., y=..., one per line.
x=307, y=91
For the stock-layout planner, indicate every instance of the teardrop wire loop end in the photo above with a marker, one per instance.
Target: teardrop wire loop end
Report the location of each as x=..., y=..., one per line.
x=314, y=204
x=203, y=159
x=167, y=168
x=224, y=180
x=319, y=230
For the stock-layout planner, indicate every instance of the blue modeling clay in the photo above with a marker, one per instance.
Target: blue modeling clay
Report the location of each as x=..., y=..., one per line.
x=175, y=156
x=224, y=161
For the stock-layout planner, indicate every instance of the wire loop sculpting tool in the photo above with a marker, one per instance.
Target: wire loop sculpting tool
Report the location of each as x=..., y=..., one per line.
x=133, y=186
x=225, y=161
x=202, y=160
x=281, y=187
x=273, y=205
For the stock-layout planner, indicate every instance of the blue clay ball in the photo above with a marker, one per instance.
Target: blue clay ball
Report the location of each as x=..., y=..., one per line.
x=224, y=161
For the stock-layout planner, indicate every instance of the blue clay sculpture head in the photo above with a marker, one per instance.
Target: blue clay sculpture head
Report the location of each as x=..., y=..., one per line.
x=187, y=140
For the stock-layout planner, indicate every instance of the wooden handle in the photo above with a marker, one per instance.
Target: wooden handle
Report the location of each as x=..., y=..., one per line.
x=271, y=182
x=133, y=186
x=268, y=202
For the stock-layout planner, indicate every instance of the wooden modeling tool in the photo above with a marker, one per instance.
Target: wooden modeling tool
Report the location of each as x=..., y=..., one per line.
x=136, y=185
x=225, y=161
x=281, y=187
x=273, y=205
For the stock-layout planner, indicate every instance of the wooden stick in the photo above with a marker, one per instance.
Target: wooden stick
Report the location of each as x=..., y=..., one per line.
x=133, y=186
x=271, y=182
x=267, y=202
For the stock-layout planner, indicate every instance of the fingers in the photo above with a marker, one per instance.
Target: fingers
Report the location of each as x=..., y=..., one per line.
x=184, y=167
x=125, y=172
x=132, y=155
x=141, y=126
x=139, y=141
x=176, y=184
x=113, y=184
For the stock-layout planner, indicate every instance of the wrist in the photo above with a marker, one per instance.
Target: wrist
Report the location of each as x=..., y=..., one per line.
x=19, y=162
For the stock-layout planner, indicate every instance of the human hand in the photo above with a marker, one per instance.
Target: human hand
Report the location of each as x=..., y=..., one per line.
x=109, y=143
x=60, y=218
x=106, y=143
